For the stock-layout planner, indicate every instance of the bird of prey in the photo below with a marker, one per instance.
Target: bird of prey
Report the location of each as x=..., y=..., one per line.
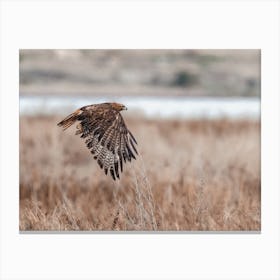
x=106, y=135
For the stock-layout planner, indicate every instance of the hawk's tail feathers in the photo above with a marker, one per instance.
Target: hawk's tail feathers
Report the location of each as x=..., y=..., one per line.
x=69, y=120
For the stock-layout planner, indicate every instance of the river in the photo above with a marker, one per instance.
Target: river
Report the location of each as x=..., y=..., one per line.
x=151, y=107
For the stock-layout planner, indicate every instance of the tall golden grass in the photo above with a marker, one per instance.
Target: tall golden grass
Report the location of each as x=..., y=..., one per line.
x=190, y=175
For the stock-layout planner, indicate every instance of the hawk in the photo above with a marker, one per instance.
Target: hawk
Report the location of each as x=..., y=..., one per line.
x=106, y=135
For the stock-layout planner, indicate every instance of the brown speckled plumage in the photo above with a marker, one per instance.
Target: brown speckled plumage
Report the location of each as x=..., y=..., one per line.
x=106, y=134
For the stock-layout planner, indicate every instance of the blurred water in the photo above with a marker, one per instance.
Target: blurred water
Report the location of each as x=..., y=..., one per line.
x=160, y=107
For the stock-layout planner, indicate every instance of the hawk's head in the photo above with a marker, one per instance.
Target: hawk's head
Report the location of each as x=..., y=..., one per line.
x=118, y=106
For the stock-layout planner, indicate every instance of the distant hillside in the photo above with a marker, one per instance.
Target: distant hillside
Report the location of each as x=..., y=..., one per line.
x=140, y=72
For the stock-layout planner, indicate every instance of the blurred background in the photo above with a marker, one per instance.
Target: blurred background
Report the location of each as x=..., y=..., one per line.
x=182, y=81
x=194, y=113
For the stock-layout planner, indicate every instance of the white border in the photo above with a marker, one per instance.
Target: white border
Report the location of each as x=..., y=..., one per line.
x=156, y=24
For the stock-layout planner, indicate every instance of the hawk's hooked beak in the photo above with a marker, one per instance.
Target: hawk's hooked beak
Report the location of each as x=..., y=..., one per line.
x=124, y=108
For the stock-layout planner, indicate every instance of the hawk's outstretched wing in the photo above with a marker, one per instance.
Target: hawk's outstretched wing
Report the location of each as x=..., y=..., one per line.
x=106, y=136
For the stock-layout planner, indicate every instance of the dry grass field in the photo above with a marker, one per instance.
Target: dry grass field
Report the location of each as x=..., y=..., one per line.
x=190, y=175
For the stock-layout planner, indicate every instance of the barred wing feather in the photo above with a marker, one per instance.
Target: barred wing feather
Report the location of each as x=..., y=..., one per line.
x=106, y=136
